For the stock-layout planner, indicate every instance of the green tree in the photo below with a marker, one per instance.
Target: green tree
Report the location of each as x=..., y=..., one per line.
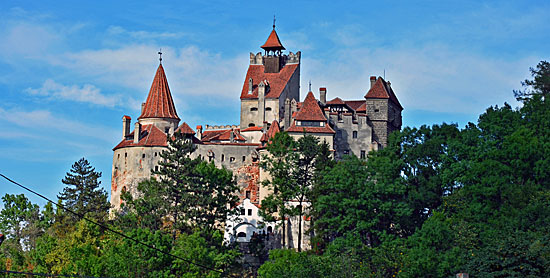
x=83, y=193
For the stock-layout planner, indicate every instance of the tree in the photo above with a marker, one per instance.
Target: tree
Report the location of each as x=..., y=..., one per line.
x=191, y=194
x=83, y=193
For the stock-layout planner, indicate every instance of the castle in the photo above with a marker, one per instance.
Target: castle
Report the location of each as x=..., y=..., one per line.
x=270, y=102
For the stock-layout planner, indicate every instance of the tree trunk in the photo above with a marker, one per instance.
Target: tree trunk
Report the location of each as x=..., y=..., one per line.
x=300, y=230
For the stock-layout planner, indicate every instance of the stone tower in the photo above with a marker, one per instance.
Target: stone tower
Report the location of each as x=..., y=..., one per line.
x=138, y=153
x=272, y=77
x=383, y=110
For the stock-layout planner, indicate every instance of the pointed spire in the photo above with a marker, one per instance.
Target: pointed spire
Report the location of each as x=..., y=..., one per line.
x=273, y=43
x=310, y=110
x=159, y=102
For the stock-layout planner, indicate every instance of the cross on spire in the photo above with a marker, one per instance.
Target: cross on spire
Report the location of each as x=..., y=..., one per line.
x=160, y=55
x=273, y=22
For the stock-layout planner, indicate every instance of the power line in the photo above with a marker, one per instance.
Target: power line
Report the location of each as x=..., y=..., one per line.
x=111, y=230
x=46, y=274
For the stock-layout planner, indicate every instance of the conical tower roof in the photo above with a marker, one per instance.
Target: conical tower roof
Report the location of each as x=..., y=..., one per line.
x=273, y=42
x=159, y=102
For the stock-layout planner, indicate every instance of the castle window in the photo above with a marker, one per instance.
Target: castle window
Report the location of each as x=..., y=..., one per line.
x=210, y=158
x=155, y=154
x=249, y=211
x=241, y=234
x=251, y=125
x=125, y=154
x=118, y=156
x=268, y=109
x=223, y=157
x=231, y=159
x=253, y=109
x=156, y=168
x=244, y=158
x=354, y=134
x=143, y=156
x=376, y=110
x=363, y=154
x=248, y=194
x=242, y=211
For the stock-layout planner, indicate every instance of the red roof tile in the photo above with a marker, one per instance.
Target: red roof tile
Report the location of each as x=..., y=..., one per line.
x=380, y=89
x=273, y=42
x=336, y=100
x=310, y=110
x=252, y=128
x=273, y=129
x=355, y=104
x=311, y=129
x=159, y=102
x=221, y=135
x=185, y=129
x=362, y=108
x=277, y=81
x=150, y=136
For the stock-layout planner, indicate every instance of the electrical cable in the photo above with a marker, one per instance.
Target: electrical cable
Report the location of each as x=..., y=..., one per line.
x=46, y=274
x=113, y=231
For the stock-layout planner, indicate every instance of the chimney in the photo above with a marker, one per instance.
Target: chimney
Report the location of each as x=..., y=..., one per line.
x=126, y=120
x=137, y=132
x=142, y=107
x=261, y=100
x=250, y=86
x=372, y=81
x=232, y=136
x=287, y=113
x=323, y=95
x=199, y=132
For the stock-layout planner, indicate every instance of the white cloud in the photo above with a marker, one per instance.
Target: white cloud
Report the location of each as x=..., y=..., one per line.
x=87, y=93
x=143, y=35
x=51, y=125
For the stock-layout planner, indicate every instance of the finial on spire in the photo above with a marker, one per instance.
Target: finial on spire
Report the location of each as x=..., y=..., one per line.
x=273, y=22
x=160, y=55
x=310, y=85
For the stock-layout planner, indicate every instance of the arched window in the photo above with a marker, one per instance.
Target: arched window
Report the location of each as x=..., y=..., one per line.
x=251, y=125
x=241, y=234
x=269, y=229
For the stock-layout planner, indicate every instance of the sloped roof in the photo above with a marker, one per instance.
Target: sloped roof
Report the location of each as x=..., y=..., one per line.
x=221, y=135
x=380, y=89
x=252, y=128
x=355, y=104
x=311, y=129
x=336, y=100
x=273, y=42
x=277, y=81
x=273, y=129
x=150, y=136
x=185, y=129
x=159, y=103
x=310, y=110
x=362, y=108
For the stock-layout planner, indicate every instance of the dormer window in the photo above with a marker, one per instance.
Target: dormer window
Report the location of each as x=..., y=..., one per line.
x=309, y=123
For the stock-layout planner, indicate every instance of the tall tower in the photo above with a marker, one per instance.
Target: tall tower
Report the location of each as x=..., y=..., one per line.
x=272, y=77
x=383, y=110
x=138, y=153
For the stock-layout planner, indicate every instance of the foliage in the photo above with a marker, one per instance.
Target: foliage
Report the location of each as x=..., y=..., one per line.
x=83, y=193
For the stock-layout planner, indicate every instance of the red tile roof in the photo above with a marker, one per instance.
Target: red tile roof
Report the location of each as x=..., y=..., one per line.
x=273, y=129
x=159, y=102
x=273, y=42
x=355, y=104
x=380, y=89
x=336, y=100
x=252, y=128
x=150, y=136
x=311, y=129
x=277, y=81
x=221, y=135
x=362, y=108
x=185, y=129
x=310, y=110
x=126, y=117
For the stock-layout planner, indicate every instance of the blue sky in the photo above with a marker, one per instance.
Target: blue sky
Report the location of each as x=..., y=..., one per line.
x=69, y=70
